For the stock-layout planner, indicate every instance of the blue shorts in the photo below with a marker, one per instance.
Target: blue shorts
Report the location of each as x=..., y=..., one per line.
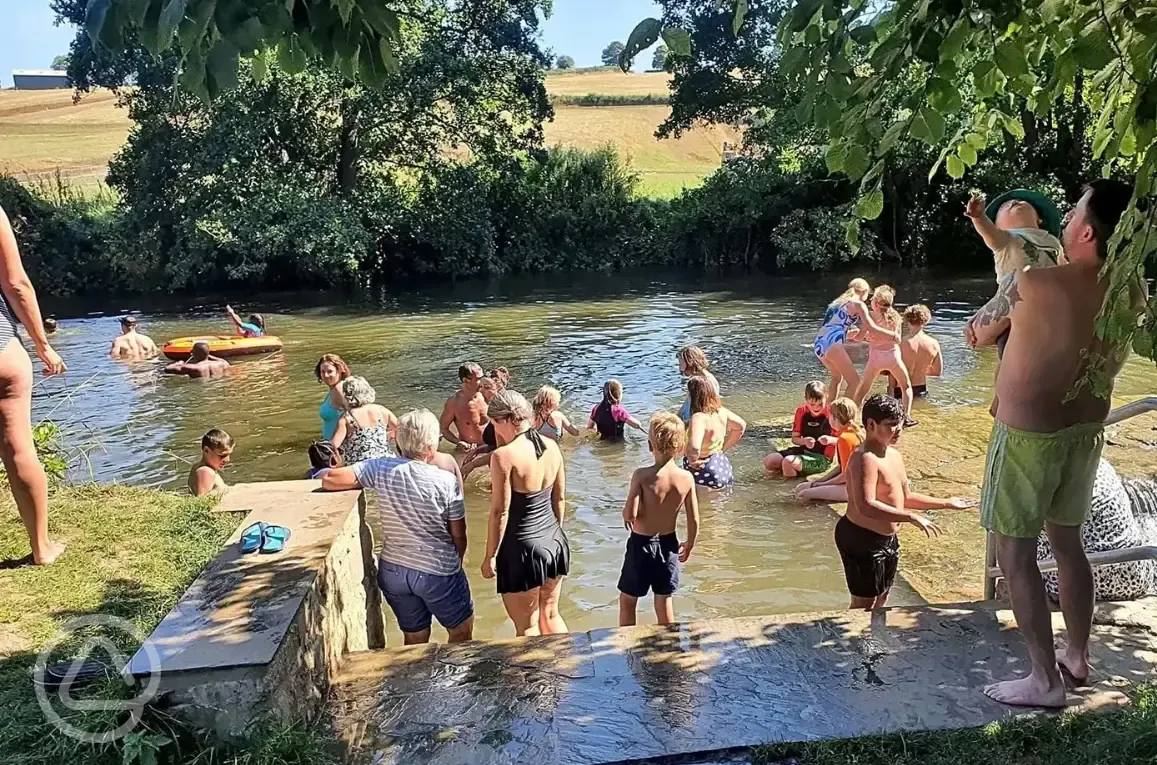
x=414, y=595
x=651, y=564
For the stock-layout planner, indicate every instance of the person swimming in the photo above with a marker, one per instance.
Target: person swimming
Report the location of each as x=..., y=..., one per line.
x=713, y=430
x=200, y=364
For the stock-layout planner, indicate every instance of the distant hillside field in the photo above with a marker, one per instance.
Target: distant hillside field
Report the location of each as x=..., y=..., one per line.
x=43, y=132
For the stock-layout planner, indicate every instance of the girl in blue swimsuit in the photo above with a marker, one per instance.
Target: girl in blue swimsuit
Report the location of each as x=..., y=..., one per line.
x=331, y=371
x=841, y=319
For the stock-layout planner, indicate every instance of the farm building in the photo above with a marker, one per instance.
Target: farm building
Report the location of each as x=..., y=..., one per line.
x=40, y=79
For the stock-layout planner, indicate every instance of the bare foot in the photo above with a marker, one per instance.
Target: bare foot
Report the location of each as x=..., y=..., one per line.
x=1027, y=692
x=49, y=554
x=1074, y=664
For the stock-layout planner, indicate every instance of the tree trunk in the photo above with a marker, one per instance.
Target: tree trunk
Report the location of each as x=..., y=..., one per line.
x=348, y=149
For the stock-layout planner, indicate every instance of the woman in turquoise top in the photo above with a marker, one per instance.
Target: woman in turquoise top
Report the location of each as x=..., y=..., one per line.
x=331, y=371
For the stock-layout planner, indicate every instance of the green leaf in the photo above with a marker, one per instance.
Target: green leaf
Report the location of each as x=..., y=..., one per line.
x=871, y=206
x=802, y=14
x=222, y=64
x=192, y=77
x=870, y=177
x=954, y=166
x=1101, y=142
x=1010, y=59
x=1093, y=48
x=812, y=35
x=827, y=111
x=1014, y=128
x=260, y=68
x=838, y=87
x=95, y=14
x=389, y=59
x=835, y=157
x=857, y=162
x=852, y=235
x=840, y=64
x=1051, y=10
x=193, y=28
x=678, y=41
x=976, y=141
x=793, y=59
x=643, y=36
x=967, y=154
x=345, y=8
x=985, y=78
x=929, y=47
x=891, y=135
x=863, y=35
x=943, y=96
x=382, y=20
x=739, y=18
x=1143, y=343
x=953, y=44
x=171, y=18
x=803, y=111
x=928, y=126
x=137, y=9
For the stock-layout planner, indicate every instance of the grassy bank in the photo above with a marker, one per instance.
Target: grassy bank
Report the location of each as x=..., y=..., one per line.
x=131, y=554
x=1127, y=737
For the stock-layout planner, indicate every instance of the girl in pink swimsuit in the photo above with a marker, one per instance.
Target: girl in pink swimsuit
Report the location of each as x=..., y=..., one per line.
x=883, y=335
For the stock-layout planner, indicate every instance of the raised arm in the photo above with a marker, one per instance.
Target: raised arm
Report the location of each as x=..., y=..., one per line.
x=993, y=237
x=859, y=308
x=631, y=506
x=991, y=321
x=233, y=317
x=21, y=295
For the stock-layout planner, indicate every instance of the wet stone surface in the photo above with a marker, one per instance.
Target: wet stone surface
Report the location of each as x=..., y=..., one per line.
x=629, y=695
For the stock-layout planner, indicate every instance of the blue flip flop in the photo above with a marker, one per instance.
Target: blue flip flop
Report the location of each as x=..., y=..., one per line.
x=274, y=539
x=253, y=537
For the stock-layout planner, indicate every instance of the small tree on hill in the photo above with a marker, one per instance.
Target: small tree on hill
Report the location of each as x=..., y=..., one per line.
x=564, y=62
x=660, y=59
x=612, y=52
x=61, y=62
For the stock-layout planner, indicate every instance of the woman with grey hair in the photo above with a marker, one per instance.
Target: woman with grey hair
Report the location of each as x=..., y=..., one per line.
x=526, y=547
x=365, y=429
x=418, y=500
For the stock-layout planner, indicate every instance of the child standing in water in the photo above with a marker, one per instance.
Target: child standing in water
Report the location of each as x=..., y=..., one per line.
x=657, y=495
x=693, y=363
x=205, y=476
x=609, y=417
x=919, y=351
x=548, y=420
x=844, y=417
x=813, y=445
x=884, y=351
x=878, y=495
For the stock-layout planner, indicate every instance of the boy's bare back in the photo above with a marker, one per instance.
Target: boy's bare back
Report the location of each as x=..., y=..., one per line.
x=890, y=479
x=920, y=352
x=662, y=493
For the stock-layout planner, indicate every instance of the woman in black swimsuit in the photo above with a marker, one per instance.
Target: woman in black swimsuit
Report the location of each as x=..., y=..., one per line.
x=525, y=544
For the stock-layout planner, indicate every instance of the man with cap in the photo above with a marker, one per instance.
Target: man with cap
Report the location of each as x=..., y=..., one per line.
x=132, y=345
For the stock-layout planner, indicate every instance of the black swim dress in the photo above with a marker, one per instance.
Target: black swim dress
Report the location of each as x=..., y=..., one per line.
x=534, y=548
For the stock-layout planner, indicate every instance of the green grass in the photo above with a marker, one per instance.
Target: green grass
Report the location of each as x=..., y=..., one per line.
x=131, y=553
x=1126, y=737
x=668, y=185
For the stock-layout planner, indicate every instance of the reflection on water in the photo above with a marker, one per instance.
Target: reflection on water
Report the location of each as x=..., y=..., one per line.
x=758, y=552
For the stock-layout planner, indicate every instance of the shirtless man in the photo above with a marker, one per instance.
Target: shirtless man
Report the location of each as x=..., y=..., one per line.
x=919, y=351
x=1045, y=446
x=879, y=500
x=464, y=415
x=200, y=364
x=132, y=345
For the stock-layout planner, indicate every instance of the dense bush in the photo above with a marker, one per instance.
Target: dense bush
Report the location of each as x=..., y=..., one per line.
x=603, y=99
x=68, y=240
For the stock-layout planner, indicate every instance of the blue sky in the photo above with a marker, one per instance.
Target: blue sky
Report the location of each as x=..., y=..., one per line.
x=579, y=29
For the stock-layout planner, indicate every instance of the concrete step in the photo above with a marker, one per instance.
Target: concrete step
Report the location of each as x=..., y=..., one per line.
x=713, y=687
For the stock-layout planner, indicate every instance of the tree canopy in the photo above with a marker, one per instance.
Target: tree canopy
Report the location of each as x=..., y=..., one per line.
x=564, y=62
x=611, y=53
x=979, y=67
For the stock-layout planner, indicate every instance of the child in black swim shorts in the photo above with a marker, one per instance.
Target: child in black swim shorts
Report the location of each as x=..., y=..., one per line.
x=656, y=496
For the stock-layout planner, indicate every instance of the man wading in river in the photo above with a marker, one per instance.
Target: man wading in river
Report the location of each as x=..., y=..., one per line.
x=132, y=345
x=1043, y=455
x=464, y=414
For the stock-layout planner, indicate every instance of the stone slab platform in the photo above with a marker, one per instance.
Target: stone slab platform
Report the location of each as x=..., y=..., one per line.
x=624, y=695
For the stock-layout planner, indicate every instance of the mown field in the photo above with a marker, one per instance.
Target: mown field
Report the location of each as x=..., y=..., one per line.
x=44, y=132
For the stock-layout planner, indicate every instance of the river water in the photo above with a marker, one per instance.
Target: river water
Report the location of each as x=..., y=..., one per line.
x=759, y=552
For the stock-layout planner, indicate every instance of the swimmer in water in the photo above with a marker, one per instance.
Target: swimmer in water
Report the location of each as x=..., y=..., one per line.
x=132, y=345
x=200, y=364
x=50, y=325
x=205, y=476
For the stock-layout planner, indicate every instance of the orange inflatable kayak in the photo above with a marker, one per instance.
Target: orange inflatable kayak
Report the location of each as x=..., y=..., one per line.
x=223, y=346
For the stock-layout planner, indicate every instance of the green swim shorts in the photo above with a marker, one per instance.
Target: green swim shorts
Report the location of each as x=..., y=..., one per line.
x=814, y=464
x=1031, y=478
